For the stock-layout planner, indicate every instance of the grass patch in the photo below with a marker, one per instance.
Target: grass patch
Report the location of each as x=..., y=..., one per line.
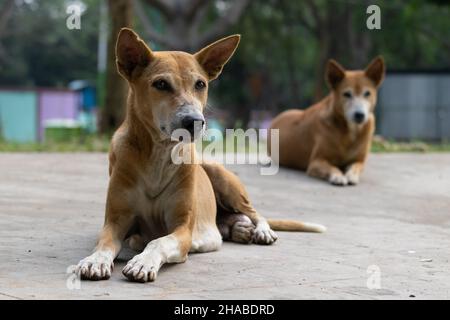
x=380, y=145
x=94, y=143
x=91, y=143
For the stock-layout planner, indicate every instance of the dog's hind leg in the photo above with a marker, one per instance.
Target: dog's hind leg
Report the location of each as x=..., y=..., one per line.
x=136, y=242
x=233, y=200
x=235, y=227
x=136, y=238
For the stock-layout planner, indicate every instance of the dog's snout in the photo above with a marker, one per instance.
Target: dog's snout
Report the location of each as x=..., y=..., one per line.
x=190, y=122
x=359, y=117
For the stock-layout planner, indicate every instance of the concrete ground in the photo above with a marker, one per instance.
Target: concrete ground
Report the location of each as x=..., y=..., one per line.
x=393, y=227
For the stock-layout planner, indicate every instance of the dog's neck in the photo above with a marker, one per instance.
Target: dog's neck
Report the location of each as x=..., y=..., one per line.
x=141, y=134
x=332, y=116
x=155, y=151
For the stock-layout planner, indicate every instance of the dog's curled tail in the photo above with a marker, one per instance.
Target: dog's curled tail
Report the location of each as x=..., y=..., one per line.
x=296, y=226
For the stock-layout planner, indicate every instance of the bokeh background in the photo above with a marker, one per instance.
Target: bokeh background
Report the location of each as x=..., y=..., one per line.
x=57, y=83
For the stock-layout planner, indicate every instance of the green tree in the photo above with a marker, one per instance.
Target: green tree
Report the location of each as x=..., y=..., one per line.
x=39, y=50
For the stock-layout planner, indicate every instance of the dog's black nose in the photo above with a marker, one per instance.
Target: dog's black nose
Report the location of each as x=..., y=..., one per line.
x=190, y=123
x=359, y=117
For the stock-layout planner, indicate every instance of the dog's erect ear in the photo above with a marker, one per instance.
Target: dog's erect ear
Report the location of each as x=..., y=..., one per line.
x=132, y=54
x=213, y=57
x=334, y=74
x=375, y=70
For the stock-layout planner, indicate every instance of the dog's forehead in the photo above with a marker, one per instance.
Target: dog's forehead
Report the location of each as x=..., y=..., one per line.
x=357, y=80
x=175, y=62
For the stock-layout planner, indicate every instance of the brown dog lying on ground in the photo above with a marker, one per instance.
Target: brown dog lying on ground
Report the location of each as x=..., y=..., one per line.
x=166, y=209
x=331, y=139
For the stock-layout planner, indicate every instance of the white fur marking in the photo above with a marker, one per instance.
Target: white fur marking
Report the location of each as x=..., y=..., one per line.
x=338, y=179
x=263, y=234
x=207, y=240
x=98, y=265
x=145, y=266
x=317, y=227
x=357, y=104
x=352, y=177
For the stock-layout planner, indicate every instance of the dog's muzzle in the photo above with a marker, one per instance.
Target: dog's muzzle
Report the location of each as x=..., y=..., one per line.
x=188, y=124
x=193, y=123
x=358, y=110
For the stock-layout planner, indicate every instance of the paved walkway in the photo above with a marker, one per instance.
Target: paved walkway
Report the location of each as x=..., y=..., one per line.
x=393, y=227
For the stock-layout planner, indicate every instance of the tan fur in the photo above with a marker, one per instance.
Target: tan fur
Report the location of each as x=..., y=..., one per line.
x=322, y=140
x=232, y=197
x=167, y=210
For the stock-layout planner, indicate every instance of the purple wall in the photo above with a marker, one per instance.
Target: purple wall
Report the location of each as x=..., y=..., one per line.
x=56, y=105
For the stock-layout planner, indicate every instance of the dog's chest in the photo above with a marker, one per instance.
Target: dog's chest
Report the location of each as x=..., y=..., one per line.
x=150, y=211
x=148, y=195
x=157, y=172
x=154, y=182
x=355, y=144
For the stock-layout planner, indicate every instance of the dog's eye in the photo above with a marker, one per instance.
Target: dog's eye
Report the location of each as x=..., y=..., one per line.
x=347, y=94
x=366, y=94
x=162, y=85
x=199, y=85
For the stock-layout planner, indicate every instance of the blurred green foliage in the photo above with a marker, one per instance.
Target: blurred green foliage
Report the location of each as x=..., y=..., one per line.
x=91, y=143
x=95, y=143
x=277, y=45
x=39, y=50
x=277, y=65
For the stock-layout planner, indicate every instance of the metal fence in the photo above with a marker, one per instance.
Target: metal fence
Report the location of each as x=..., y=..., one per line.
x=415, y=106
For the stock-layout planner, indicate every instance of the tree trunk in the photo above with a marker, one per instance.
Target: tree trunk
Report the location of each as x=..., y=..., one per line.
x=360, y=42
x=6, y=10
x=113, y=112
x=321, y=65
x=337, y=21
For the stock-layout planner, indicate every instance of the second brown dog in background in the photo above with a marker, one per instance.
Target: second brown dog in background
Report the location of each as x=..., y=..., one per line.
x=331, y=139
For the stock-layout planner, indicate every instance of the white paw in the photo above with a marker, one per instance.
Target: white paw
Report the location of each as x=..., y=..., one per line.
x=352, y=178
x=143, y=267
x=338, y=179
x=242, y=231
x=98, y=266
x=263, y=234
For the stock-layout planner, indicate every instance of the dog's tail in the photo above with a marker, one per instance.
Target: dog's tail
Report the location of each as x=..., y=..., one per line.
x=296, y=226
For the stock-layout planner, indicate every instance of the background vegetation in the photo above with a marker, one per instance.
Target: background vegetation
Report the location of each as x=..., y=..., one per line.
x=279, y=63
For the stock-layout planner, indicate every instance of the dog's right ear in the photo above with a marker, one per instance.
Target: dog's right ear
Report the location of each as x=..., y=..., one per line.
x=334, y=74
x=132, y=54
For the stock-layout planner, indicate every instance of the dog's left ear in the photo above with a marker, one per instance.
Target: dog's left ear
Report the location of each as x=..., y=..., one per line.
x=375, y=70
x=213, y=57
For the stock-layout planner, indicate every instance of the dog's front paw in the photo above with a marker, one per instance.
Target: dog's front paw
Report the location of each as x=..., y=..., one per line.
x=338, y=179
x=263, y=234
x=98, y=266
x=143, y=267
x=352, y=178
